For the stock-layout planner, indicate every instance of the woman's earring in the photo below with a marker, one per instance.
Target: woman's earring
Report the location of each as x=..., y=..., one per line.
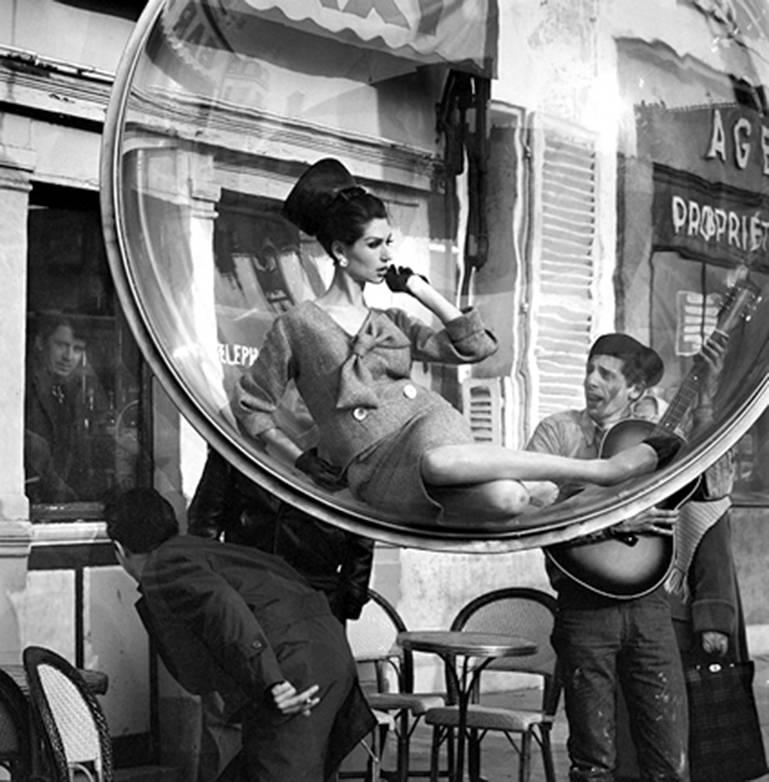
x=343, y=262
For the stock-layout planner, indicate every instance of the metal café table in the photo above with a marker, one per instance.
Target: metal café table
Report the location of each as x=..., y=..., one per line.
x=476, y=650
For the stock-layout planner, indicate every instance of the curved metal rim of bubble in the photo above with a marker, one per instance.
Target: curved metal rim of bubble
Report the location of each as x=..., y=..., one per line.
x=554, y=524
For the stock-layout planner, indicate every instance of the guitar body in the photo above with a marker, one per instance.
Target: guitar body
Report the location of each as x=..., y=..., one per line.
x=626, y=566
x=630, y=432
x=621, y=568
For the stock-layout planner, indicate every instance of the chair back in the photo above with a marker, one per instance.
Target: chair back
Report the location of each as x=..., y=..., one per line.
x=373, y=638
x=15, y=745
x=69, y=716
x=522, y=611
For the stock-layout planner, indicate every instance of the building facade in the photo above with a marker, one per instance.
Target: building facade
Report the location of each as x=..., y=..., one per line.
x=573, y=239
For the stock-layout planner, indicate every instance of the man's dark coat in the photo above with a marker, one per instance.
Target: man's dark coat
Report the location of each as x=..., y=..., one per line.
x=235, y=620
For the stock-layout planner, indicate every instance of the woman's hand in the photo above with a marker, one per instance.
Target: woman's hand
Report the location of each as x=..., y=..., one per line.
x=325, y=474
x=397, y=279
x=401, y=279
x=288, y=701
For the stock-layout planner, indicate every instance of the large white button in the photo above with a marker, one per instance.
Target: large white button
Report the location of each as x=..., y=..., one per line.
x=359, y=413
x=409, y=391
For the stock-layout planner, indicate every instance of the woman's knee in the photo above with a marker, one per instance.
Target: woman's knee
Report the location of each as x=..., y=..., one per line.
x=438, y=465
x=505, y=498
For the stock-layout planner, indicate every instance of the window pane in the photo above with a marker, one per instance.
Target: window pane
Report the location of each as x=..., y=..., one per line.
x=83, y=402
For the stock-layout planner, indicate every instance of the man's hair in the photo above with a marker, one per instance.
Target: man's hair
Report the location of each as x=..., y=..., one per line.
x=48, y=322
x=641, y=366
x=140, y=520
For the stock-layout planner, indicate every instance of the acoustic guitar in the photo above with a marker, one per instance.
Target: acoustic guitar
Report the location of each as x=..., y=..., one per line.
x=625, y=566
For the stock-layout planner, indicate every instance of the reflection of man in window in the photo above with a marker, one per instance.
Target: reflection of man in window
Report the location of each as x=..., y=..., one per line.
x=54, y=442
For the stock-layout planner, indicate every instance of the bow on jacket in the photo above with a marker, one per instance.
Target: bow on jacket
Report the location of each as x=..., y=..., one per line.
x=356, y=383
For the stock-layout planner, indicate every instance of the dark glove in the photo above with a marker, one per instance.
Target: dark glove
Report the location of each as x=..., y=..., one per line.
x=396, y=278
x=325, y=474
x=666, y=446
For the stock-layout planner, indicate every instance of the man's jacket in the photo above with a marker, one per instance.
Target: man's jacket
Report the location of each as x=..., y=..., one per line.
x=235, y=620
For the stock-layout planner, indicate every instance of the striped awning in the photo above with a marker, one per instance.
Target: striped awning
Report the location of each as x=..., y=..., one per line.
x=463, y=34
x=391, y=36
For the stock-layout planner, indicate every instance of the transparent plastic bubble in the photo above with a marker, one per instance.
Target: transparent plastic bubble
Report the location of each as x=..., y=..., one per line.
x=616, y=183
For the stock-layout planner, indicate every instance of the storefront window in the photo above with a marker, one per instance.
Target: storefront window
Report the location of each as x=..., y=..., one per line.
x=690, y=297
x=83, y=400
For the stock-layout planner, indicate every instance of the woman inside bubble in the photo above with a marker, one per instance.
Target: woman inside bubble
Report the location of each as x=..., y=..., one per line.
x=400, y=447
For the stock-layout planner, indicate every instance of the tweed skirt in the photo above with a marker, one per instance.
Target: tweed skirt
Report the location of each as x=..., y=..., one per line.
x=388, y=476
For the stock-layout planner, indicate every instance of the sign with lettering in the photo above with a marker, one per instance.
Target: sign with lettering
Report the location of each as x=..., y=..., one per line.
x=240, y=336
x=727, y=144
x=709, y=220
x=237, y=355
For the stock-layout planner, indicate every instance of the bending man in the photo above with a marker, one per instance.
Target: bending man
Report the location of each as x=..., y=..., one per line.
x=243, y=623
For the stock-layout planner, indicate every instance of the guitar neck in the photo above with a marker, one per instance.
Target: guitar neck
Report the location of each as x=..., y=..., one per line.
x=684, y=398
x=680, y=404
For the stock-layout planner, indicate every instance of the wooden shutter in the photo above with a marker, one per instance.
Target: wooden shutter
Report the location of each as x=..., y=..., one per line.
x=482, y=406
x=563, y=263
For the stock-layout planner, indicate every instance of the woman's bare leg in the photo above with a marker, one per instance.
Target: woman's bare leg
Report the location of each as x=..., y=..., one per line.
x=475, y=463
x=485, y=505
x=638, y=460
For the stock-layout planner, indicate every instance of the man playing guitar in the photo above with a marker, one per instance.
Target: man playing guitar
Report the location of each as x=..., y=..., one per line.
x=604, y=643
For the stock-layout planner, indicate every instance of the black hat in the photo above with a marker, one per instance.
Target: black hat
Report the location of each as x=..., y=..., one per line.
x=315, y=190
x=640, y=361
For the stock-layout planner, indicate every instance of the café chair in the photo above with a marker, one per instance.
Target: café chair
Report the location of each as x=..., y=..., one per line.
x=70, y=720
x=15, y=740
x=525, y=612
x=374, y=749
x=386, y=672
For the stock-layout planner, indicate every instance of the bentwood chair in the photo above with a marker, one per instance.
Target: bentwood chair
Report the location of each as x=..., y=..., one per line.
x=70, y=720
x=15, y=739
x=387, y=676
x=520, y=611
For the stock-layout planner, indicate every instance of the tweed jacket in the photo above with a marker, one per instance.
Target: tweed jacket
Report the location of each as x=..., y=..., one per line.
x=357, y=389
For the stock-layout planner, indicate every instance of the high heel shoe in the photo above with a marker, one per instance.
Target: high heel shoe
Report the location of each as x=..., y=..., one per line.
x=666, y=446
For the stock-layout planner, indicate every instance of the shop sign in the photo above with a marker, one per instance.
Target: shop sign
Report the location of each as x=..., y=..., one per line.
x=236, y=355
x=710, y=221
x=738, y=140
x=729, y=144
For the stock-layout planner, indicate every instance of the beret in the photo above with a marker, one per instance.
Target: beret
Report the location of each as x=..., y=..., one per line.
x=646, y=360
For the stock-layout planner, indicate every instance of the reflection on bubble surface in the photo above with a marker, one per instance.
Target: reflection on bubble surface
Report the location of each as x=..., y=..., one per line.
x=623, y=189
